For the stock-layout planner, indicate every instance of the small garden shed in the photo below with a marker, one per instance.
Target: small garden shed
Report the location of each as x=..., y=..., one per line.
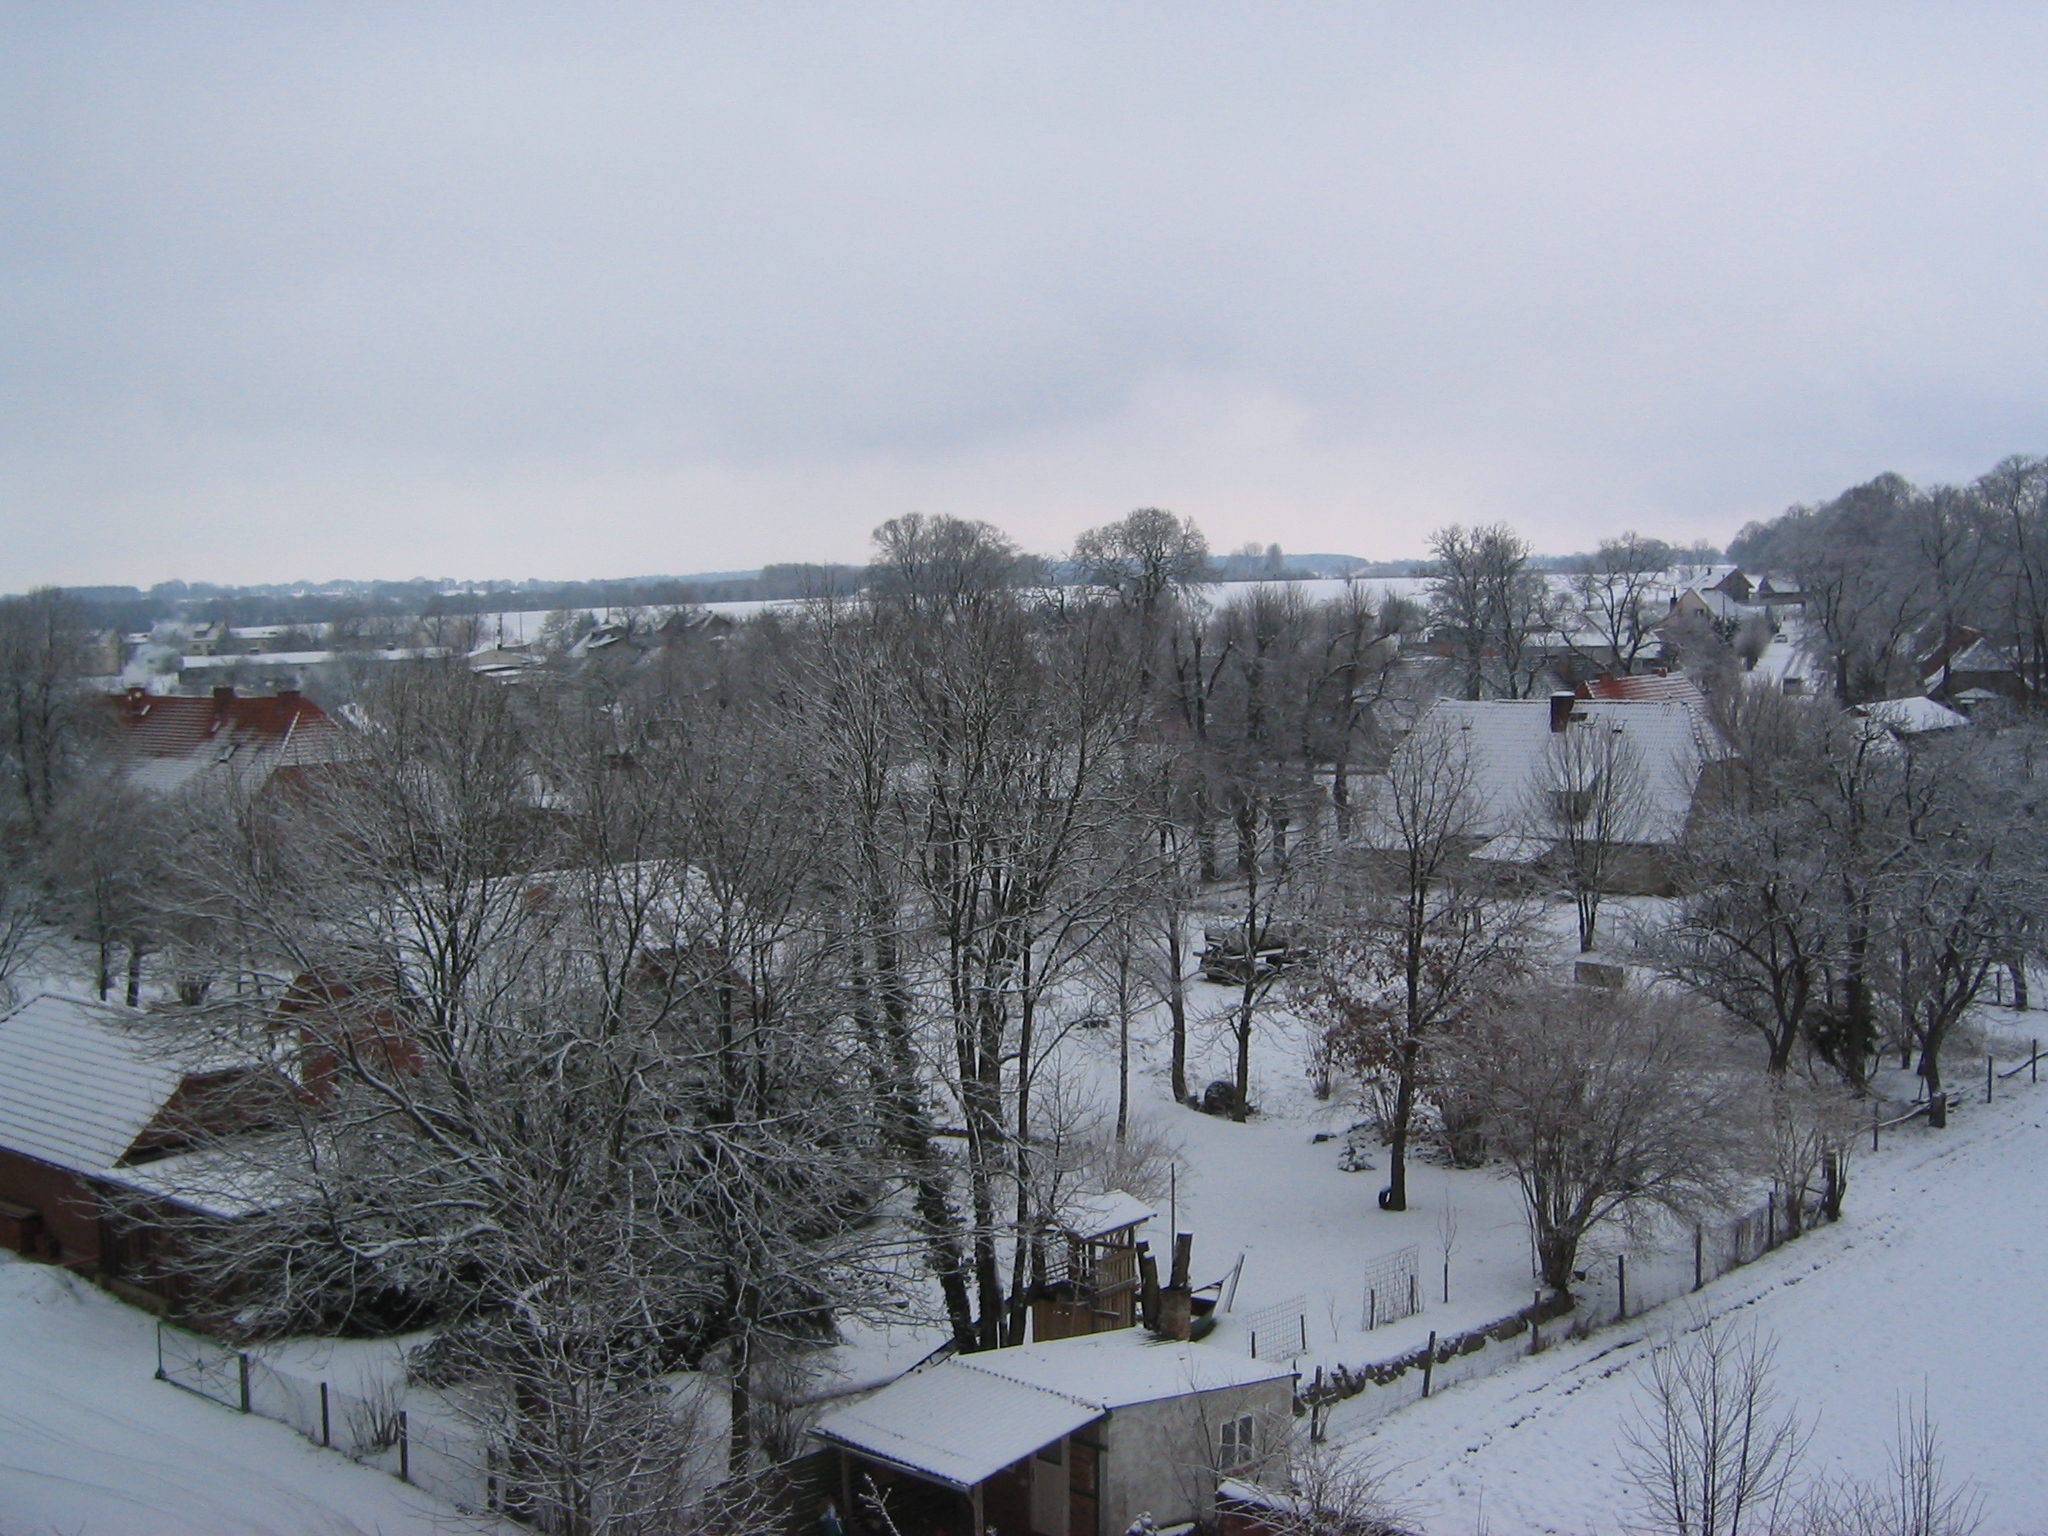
x=1072, y=1437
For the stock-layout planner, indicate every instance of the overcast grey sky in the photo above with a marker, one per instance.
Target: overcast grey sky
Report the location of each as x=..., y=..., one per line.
x=302, y=290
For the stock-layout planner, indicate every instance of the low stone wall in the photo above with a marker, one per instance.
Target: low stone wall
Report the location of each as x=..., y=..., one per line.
x=1360, y=1394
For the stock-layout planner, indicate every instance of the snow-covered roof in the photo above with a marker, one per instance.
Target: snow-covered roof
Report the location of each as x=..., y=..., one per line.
x=239, y=1179
x=1089, y=1216
x=166, y=742
x=1507, y=740
x=1124, y=1367
x=1914, y=716
x=1647, y=688
x=956, y=1424
x=963, y=1419
x=1980, y=656
x=78, y=1084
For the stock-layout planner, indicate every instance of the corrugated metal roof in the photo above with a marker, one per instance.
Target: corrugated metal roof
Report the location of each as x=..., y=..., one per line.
x=77, y=1084
x=963, y=1419
x=1123, y=1367
x=958, y=1425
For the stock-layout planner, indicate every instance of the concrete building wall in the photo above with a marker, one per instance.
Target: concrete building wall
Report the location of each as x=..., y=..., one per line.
x=1163, y=1457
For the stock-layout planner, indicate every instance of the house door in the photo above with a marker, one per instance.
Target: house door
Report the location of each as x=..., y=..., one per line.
x=1084, y=1477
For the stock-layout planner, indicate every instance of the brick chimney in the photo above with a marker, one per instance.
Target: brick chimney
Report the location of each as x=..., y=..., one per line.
x=1561, y=712
x=138, y=701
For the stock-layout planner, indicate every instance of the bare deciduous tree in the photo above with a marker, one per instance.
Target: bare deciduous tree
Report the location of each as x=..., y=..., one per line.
x=1591, y=801
x=1418, y=935
x=1614, y=589
x=1609, y=1107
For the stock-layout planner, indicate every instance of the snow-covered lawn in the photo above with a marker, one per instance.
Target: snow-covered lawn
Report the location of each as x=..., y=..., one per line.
x=1934, y=1277
x=90, y=1445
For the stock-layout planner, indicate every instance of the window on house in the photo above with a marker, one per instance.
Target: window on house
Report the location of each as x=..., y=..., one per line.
x=1237, y=1445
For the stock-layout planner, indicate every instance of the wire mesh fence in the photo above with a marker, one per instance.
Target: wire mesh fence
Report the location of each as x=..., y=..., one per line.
x=375, y=1430
x=200, y=1365
x=1279, y=1332
x=1393, y=1288
x=1622, y=1285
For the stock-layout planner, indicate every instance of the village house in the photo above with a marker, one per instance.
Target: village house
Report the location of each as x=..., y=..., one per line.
x=1072, y=1437
x=1672, y=744
x=167, y=742
x=94, y=1111
x=1966, y=671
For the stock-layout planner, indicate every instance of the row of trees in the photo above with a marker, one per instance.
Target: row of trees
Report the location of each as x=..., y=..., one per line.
x=1890, y=571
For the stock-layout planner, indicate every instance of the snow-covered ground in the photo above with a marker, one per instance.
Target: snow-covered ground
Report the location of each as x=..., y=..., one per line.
x=90, y=1445
x=1933, y=1279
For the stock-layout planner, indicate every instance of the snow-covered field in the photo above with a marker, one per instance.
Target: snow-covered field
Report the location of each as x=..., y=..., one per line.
x=90, y=1445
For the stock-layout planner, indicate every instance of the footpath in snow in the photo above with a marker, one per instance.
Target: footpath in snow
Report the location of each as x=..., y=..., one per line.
x=1934, y=1278
x=91, y=1446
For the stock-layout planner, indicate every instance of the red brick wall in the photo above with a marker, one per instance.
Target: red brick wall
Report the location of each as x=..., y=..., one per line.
x=66, y=1203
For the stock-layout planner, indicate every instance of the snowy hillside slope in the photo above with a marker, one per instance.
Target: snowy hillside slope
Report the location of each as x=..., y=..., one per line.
x=1935, y=1276
x=91, y=1446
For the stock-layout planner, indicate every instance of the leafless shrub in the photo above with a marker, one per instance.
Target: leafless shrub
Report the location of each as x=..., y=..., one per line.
x=1710, y=1451
x=1812, y=1127
x=1915, y=1498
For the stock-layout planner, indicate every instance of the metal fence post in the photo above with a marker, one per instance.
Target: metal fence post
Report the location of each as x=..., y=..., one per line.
x=1698, y=1244
x=1621, y=1282
x=1987, y=1077
x=159, y=1351
x=1873, y=1127
x=326, y=1429
x=244, y=1360
x=404, y=1450
x=1429, y=1363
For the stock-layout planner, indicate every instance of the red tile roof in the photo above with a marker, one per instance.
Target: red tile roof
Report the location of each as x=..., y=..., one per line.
x=169, y=738
x=1649, y=688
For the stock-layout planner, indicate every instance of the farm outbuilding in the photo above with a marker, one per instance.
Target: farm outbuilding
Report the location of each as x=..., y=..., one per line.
x=1072, y=1437
x=91, y=1104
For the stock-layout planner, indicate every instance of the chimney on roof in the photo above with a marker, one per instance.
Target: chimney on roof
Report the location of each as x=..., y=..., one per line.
x=137, y=700
x=1561, y=711
x=288, y=695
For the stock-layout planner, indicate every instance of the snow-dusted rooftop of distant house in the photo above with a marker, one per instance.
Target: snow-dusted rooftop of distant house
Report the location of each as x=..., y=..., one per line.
x=168, y=741
x=78, y=1083
x=1507, y=740
x=1913, y=716
x=1646, y=688
x=308, y=658
x=965, y=1418
x=1979, y=656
